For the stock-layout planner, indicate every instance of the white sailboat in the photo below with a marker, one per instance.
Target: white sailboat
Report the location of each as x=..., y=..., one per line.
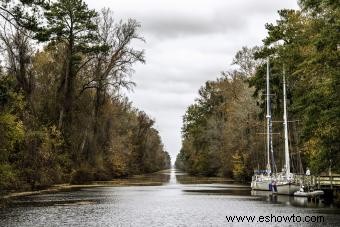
x=262, y=180
x=285, y=181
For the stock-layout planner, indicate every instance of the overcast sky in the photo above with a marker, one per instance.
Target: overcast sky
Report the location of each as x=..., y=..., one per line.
x=187, y=43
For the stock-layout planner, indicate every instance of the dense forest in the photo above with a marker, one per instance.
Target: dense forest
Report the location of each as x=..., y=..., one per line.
x=63, y=115
x=223, y=130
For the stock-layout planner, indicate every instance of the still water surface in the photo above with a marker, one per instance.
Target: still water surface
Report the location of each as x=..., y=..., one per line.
x=168, y=198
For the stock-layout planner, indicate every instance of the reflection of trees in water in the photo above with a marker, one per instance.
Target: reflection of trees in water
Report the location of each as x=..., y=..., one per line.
x=211, y=185
x=154, y=178
x=151, y=179
x=187, y=179
x=161, y=177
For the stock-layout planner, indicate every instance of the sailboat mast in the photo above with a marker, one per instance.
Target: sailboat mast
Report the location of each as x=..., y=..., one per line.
x=285, y=124
x=268, y=116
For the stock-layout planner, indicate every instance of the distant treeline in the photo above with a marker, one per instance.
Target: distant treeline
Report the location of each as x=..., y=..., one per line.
x=62, y=116
x=223, y=131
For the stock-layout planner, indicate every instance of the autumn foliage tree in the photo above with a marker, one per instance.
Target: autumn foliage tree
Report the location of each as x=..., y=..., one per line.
x=62, y=114
x=305, y=44
x=219, y=130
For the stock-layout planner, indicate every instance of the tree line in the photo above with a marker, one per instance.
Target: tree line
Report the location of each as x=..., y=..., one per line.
x=222, y=130
x=63, y=115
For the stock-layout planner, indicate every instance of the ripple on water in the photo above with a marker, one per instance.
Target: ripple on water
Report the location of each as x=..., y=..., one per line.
x=179, y=200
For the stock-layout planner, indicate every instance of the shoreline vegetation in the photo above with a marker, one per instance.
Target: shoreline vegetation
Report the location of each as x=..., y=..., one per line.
x=223, y=132
x=64, y=117
x=150, y=179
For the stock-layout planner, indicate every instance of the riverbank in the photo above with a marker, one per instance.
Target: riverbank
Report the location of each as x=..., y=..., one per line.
x=152, y=179
x=51, y=189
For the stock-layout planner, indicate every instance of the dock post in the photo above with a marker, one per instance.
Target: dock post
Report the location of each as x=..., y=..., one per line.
x=331, y=178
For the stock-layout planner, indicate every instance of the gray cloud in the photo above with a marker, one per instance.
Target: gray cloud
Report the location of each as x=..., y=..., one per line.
x=170, y=25
x=188, y=42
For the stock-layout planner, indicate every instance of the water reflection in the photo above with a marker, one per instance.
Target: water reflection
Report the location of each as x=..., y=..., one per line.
x=153, y=179
x=173, y=179
x=167, y=198
x=184, y=178
x=288, y=200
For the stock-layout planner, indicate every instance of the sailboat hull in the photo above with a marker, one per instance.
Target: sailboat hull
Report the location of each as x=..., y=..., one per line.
x=260, y=185
x=287, y=188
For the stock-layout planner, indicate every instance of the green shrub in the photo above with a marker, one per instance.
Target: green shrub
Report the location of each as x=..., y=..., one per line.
x=8, y=177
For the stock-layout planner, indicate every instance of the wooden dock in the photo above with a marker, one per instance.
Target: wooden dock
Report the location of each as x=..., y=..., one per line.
x=321, y=181
x=330, y=184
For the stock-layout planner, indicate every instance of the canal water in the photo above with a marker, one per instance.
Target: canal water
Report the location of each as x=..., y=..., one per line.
x=168, y=198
